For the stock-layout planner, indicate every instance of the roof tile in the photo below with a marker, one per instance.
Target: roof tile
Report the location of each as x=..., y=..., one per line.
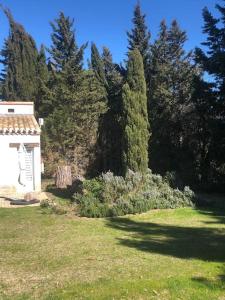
x=19, y=124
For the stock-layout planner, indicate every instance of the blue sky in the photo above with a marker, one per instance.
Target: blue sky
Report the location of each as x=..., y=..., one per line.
x=106, y=22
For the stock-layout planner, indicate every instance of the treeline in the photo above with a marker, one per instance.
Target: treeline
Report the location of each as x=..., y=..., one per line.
x=157, y=111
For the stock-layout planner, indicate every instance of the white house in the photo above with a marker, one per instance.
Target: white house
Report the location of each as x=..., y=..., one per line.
x=20, y=156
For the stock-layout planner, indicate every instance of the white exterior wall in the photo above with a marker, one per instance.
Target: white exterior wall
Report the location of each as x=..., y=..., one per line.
x=25, y=108
x=9, y=167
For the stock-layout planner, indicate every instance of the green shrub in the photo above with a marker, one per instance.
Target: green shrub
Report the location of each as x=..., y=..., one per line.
x=110, y=195
x=92, y=207
x=93, y=188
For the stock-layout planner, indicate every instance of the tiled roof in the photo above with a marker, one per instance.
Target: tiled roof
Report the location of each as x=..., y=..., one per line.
x=18, y=124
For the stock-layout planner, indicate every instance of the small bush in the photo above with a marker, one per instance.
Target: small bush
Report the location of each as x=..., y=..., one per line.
x=93, y=188
x=91, y=207
x=55, y=207
x=45, y=203
x=110, y=195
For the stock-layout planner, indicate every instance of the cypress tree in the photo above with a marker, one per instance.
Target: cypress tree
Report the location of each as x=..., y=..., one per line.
x=42, y=67
x=19, y=58
x=43, y=91
x=109, y=141
x=111, y=123
x=98, y=65
x=135, y=116
x=113, y=72
x=139, y=37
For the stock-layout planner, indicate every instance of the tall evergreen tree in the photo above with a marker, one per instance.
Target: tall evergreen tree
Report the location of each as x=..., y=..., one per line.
x=19, y=58
x=64, y=48
x=98, y=65
x=139, y=36
x=72, y=128
x=113, y=72
x=78, y=103
x=112, y=119
x=212, y=61
x=65, y=62
x=200, y=127
x=170, y=98
x=160, y=99
x=43, y=91
x=135, y=116
x=110, y=78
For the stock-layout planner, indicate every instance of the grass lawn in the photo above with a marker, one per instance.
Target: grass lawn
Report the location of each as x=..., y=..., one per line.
x=170, y=254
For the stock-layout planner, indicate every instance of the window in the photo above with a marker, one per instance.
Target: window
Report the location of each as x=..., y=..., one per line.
x=11, y=110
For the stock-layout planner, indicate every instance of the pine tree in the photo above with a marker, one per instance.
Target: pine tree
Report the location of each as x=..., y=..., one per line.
x=182, y=70
x=19, y=58
x=64, y=48
x=212, y=61
x=65, y=63
x=159, y=84
x=78, y=102
x=72, y=128
x=170, y=98
x=135, y=116
x=139, y=36
x=160, y=94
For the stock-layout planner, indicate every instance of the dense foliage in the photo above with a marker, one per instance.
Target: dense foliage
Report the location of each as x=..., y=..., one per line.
x=156, y=110
x=170, y=105
x=110, y=195
x=75, y=104
x=211, y=99
x=110, y=78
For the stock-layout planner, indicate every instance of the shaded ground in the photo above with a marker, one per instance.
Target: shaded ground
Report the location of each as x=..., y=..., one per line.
x=202, y=243
x=167, y=254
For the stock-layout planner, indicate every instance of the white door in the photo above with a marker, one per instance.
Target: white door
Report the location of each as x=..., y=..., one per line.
x=29, y=174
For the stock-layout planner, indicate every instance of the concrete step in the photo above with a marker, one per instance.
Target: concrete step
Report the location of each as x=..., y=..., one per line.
x=7, y=190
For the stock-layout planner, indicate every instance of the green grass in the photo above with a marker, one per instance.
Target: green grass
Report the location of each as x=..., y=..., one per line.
x=167, y=254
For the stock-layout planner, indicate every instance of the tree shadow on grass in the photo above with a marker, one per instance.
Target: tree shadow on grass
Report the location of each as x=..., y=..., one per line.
x=217, y=216
x=218, y=283
x=60, y=193
x=203, y=243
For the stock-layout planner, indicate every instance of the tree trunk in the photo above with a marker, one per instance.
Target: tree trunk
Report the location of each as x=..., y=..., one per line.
x=63, y=177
